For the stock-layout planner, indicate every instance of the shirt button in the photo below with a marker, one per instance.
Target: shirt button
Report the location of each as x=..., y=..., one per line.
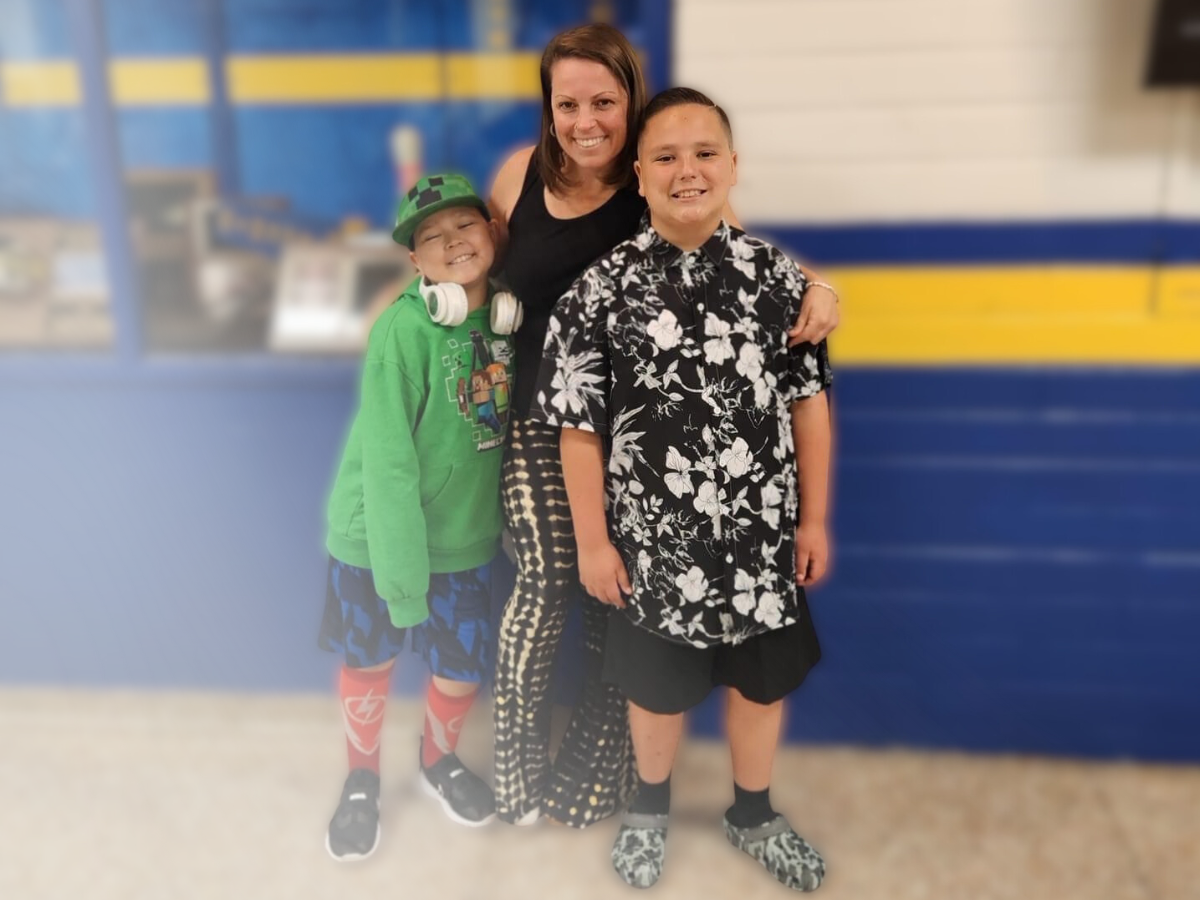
x=729, y=557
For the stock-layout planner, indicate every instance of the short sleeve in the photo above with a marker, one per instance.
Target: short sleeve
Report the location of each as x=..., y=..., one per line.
x=808, y=368
x=573, y=381
x=809, y=372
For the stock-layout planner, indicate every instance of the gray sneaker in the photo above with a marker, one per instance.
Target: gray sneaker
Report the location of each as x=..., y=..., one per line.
x=638, y=851
x=354, y=829
x=787, y=856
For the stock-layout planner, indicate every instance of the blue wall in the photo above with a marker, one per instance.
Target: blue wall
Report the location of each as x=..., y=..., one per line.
x=1017, y=551
x=330, y=161
x=1016, y=557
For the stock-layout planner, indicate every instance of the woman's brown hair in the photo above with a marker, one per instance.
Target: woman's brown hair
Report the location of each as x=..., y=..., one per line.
x=606, y=45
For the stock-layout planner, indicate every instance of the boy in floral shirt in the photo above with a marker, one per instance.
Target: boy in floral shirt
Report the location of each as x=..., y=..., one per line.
x=686, y=416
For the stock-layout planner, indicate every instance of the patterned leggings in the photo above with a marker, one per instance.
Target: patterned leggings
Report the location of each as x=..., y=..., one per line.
x=592, y=775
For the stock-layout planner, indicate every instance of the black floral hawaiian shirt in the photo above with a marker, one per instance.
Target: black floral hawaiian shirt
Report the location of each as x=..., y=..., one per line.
x=681, y=361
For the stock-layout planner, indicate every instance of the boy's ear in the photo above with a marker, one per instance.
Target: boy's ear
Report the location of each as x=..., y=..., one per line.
x=637, y=170
x=733, y=163
x=412, y=258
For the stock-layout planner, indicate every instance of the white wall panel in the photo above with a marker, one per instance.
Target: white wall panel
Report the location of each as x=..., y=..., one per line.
x=893, y=78
x=1016, y=131
x=935, y=190
x=764, y=27
x=853, y=110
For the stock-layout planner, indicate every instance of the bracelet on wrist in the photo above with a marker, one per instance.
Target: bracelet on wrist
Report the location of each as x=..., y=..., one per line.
x=829, y=287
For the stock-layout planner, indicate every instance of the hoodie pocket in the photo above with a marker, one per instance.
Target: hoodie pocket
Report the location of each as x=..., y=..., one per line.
x=435, y=486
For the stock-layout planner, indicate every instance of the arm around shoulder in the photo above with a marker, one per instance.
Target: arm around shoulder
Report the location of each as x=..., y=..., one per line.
x=506, y=190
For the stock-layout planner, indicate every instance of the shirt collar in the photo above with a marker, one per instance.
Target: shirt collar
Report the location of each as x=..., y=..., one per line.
x=664, y=253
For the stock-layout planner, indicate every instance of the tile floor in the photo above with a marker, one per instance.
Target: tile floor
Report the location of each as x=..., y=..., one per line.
x=159, y=796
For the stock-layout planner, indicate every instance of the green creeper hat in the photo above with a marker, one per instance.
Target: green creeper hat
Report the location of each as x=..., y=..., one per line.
x=429, y=195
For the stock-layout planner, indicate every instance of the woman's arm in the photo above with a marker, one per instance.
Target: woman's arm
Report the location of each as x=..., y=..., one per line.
x=818, y=312
x=819, y=308
x=506, y=190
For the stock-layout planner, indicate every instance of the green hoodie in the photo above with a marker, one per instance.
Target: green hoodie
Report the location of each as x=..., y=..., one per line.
x=418, y=488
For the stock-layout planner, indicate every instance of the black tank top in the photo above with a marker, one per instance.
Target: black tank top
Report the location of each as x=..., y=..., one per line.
x=545, y=255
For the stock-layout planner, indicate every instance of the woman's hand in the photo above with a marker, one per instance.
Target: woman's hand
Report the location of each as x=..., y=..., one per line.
x=818, y=314
x=602, y=574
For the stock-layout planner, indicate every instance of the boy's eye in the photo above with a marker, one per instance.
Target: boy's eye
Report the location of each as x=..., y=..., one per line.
x=430, y=237
x=664, y=158
x=707, y=154
x=467, y=224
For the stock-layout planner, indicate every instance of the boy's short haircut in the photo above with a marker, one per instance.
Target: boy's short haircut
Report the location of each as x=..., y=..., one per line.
x=681, y=96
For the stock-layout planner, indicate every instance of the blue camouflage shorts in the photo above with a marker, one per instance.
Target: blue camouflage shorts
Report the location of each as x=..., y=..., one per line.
x=457, y=640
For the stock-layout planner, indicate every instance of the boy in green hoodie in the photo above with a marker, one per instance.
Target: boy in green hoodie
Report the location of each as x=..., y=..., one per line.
x=414, y=515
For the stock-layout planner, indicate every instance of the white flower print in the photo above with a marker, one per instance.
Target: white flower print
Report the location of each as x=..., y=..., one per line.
x=743, y=600
x=750, y=360
x=726, y=621
x=692, y=584
x=771, y=498
x=665, y=330
x=706, y=499
x=719, y=348
x=672, y=621
x=763, y=394
x=700, y=476
x=736, y=460
x=576, y=382
x=747, y=300
x=626, y=450
x=810, y=363
x=770, y=609
x=743, y=257
x=678, y=481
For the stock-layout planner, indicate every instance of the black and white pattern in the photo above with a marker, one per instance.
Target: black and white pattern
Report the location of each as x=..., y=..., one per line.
x=681, y=361
x=639, y=848
x=793, y=861
x=592, y=775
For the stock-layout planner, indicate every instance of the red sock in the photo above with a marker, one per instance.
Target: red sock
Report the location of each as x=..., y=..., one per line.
x=444, y=717
x=363, y=695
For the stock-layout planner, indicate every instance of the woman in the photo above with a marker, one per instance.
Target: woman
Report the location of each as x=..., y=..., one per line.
x=560, y=205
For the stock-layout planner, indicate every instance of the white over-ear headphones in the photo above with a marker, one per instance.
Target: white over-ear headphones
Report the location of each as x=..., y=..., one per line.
x=447, y=305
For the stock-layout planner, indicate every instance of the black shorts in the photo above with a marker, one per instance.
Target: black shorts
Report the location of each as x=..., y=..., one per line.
x=665, y=677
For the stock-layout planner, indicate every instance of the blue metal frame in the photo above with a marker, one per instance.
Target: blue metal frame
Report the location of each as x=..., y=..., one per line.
x=224, y=129
x=85, y=20
x=659, y=72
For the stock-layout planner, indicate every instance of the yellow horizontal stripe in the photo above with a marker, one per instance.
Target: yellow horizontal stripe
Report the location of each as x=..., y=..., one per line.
x=158, y=82
x=351, y=78
x=1179, y=291
x=333, y=79
x=986, y=290
x=1026, y=316
x=1023, y=340
x=46, y=83
x=493, y=76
